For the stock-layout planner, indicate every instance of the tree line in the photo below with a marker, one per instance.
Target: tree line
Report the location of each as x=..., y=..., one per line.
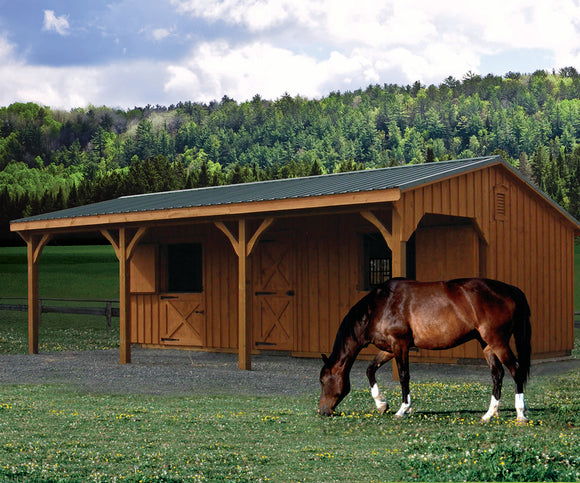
x=52, y=159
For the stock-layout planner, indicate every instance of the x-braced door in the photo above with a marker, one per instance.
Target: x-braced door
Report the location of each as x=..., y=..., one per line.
x=274, y=292
x=183, y=319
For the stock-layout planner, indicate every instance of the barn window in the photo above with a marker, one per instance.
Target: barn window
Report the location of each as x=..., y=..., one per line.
x=184, y=268
x=377, y=267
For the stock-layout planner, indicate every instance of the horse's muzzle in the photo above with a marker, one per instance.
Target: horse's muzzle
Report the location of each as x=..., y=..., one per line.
x=325, y=411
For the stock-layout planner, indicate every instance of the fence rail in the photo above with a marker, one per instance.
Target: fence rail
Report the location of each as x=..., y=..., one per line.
x=107, y=310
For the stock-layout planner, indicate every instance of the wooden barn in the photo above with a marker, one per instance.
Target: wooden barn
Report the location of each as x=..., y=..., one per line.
x=275, y=265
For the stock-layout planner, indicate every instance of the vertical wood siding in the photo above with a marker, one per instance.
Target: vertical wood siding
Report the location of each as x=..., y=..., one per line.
x=220, y=287
x=529, y=245
x=329, y=277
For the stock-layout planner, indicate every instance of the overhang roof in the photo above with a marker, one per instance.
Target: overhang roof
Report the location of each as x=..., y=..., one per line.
x=298, y=193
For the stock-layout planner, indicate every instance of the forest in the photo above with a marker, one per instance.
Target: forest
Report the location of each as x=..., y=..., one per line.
x=52, y=159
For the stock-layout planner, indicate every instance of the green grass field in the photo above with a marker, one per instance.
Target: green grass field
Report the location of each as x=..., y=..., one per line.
x=83, y=272
x=52, y=433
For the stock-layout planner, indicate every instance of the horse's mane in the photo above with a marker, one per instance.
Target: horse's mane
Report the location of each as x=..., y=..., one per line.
x=357, y=316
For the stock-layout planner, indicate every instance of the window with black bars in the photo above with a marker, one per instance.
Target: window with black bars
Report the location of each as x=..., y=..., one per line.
x=377, y=267
x=379, y=271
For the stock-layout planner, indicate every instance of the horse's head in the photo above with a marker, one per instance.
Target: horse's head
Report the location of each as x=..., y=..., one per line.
x=335, y=386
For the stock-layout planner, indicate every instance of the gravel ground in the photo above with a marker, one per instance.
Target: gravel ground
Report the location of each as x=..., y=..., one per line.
x=175, y=372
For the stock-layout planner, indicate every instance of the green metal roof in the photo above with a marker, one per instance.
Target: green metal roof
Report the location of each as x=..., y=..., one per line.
x=401, y=177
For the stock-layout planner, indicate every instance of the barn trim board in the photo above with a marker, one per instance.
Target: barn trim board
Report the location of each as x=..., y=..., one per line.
x=277, y=264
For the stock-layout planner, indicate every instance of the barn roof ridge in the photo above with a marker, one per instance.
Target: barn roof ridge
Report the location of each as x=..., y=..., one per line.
x=453, y=162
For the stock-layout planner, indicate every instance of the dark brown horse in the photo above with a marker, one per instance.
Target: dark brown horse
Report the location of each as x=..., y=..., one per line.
x=438, y=315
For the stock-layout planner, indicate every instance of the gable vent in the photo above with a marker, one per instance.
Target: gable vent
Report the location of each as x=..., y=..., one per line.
x=500, y=195
x=500, y=204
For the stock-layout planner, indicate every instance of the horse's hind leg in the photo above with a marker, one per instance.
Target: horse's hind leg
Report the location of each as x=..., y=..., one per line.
x=380, y=359
x=508, y=358
x=497, y=374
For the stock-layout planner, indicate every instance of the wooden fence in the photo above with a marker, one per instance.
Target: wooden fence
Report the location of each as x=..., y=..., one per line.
x=107, y=310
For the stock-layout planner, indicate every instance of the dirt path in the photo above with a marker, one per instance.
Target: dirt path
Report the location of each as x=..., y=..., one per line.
x=174, y=372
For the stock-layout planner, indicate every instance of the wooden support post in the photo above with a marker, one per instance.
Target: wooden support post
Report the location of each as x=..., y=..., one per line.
x=33, y=297
x=244, y=332
x=34, y=247
x=399, y=252
x=124, y=300
x=398, y=248
x=243, y=249
x=124, y=246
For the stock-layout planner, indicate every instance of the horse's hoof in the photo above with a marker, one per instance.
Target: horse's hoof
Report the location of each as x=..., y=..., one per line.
x=383, y=408
x=401, y=416
x=523, y=421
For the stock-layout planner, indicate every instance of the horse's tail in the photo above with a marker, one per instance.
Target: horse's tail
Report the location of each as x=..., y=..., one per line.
x=523, y=334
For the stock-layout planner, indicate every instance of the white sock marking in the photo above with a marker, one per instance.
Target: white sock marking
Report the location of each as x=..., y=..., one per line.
x=405, y=408
x=492, y=411
x=378, y=397
x=521, y=407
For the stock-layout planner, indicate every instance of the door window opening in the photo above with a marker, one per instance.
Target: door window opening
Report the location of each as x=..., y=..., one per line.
x=185, y=268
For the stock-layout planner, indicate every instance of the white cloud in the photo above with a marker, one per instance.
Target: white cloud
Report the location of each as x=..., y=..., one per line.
x=457, y=28
x=64, y=87
x=216, y=69
x=306, y=47
x=255, y=14
x=116, y=85
x=160, y=34
x=6, y=50
x=58, y=24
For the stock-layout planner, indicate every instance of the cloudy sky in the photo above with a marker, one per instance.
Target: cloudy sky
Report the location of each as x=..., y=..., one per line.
x=125, y=53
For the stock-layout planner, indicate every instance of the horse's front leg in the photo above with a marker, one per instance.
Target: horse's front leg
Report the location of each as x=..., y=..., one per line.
x=403, y=366
x=380, y=359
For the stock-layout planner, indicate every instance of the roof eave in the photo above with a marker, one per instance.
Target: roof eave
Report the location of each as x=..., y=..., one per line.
x=214, y=211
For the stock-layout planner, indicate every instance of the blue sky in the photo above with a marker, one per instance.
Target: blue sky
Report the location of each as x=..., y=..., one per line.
x=125, y=53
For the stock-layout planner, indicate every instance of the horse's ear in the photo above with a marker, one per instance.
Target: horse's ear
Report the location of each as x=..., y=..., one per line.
x=324, y=358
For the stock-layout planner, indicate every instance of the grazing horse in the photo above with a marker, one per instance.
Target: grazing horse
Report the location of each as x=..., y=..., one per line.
x=401, y=314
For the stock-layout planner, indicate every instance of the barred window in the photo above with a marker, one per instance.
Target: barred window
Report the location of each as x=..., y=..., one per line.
x=377, y=267
x=379, y=271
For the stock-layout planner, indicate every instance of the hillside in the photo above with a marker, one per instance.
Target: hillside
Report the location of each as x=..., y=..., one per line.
x=52, y=159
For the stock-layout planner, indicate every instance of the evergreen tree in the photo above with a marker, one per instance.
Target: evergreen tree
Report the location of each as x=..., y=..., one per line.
x=203, y=178
x=315, y=168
